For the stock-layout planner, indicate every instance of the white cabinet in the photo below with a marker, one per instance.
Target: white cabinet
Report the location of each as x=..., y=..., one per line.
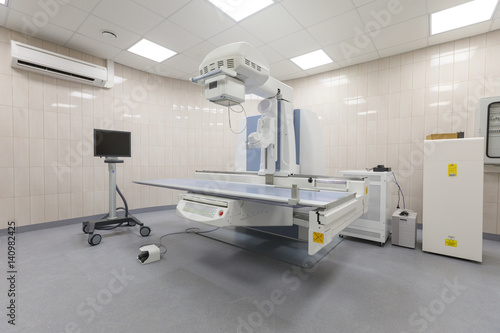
x=453, y=198
x=376, y=223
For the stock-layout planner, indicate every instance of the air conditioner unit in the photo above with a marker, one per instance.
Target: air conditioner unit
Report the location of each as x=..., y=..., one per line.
x=41, y=61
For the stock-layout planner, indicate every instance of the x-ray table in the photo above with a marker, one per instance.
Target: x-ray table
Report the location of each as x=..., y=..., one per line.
x=269, y=194
x=282, y=248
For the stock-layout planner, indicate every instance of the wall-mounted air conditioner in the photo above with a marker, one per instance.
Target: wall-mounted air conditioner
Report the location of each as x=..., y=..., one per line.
x=41, y=61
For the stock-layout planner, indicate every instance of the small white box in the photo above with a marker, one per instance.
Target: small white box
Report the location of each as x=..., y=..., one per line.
x=404, y=228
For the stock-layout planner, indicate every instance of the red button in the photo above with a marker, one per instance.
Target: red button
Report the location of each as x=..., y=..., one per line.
x=221, y=213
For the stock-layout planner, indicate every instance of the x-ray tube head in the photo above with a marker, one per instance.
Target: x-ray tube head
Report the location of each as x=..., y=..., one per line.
x=224, y=90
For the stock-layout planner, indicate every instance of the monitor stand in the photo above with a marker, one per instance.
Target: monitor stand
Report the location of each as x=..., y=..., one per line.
x=111, y=218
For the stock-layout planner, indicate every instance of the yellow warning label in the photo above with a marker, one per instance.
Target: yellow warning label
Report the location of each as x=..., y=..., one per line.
x=367, y=190
x=450, y=242
x=318, y=237
x=452, y=170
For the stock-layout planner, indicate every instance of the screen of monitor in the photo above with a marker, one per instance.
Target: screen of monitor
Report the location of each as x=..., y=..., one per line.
x=112, y=143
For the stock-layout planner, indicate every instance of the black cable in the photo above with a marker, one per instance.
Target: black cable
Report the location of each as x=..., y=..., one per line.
x=192, y=230
x=123, y=199
x=119, y=208
x=399, y=191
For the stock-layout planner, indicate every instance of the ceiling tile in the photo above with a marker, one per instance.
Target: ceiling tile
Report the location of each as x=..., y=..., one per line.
x=93, y=47
x=270, y=54
x=133, y=60
x=296, y=44
x=496, y=13
x=270, y=24
x=55, y=13
x=200, y=51
x=359, y=3
x=337, y=29
x=202, y=19
x=294, y=76
x=403, y=48
x=173, y=37
x=351, y=48
x=93, y=26
x=382, y=13
x=54, y=34
x=178, y=61
x=235, y=34
x=3, y=15
x=311, y=12
x=284, y=68
x=402, y=33
x=436, y=6
x=194, y=28
x=130, y=15
x=48, y=32
x=162, y=7
x=359, y=59
x=87, y=5
x=321, y=69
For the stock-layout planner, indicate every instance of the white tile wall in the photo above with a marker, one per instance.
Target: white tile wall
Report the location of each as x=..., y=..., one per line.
x=432, y=90
x=47, y=168
x=373, y=113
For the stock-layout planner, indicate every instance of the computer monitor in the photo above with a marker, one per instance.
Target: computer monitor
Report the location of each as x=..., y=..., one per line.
x=109, y=143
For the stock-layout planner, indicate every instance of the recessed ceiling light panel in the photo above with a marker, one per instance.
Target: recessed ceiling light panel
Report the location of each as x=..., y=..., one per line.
x=469, y=13
x=240, y=9
x=150, y=50
x=311, y=60
x=4, y=2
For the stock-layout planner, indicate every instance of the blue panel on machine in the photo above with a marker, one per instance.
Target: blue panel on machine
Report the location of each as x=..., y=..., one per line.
x=253, y=155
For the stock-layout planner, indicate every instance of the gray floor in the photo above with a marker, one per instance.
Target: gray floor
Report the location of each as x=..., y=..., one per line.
x=202, y=285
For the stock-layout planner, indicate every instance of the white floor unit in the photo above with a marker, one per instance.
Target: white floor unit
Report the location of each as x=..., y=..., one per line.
x=453, y=198
x=376, y=224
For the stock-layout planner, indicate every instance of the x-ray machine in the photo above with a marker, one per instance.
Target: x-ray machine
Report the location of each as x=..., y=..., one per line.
x=280, y=160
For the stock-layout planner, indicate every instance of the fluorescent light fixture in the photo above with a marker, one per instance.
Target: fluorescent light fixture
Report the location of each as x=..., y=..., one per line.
x=238, y=10
x=4, y=2
x=311, y=60
x=150, y=50
x=463, y=15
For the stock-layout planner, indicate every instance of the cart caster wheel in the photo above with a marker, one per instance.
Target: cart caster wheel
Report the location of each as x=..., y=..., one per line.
x=85, y=228
x=95, y=239
x=145, y=231
x=341, y=236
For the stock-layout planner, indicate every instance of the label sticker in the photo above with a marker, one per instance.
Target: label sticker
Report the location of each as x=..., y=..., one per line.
x=452, y=170
x=318, y=237
x=367, y=190
x=450, y=242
